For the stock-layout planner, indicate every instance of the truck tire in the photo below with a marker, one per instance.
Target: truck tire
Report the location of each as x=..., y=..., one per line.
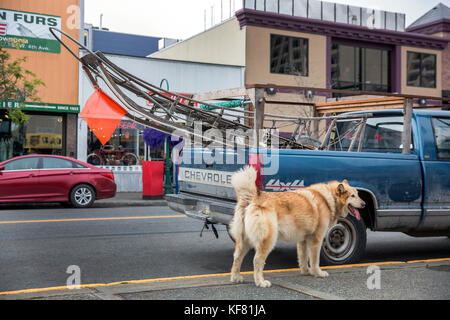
x=344, y=243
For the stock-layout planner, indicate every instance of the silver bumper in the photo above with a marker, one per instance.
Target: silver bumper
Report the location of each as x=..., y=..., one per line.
x=202, y=208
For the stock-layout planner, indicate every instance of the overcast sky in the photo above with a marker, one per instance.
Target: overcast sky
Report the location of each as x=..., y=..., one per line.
x=181, y=19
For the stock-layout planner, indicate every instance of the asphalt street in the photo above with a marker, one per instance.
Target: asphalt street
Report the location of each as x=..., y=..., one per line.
x=38, y=245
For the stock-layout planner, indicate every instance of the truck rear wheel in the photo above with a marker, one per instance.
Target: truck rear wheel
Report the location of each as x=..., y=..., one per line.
x=344, y=243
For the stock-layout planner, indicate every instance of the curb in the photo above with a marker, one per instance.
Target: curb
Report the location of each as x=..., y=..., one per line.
x=287, y=279
x=129, y=203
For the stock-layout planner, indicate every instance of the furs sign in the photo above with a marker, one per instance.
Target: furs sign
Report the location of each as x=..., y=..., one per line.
x=28, y=31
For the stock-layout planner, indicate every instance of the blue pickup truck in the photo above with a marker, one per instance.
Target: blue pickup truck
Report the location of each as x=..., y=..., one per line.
x=407, y=193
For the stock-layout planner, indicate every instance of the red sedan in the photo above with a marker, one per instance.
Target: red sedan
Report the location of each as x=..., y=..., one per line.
x=41, y=178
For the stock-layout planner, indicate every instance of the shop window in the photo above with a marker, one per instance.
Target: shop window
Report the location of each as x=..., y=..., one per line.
x=125, y=148
x=6, y=141
x=359, y=68
x=289, y=55
x=421, y=69
x=42, y=134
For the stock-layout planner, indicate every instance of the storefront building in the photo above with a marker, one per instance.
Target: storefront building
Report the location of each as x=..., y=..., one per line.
x=319, y=44
x=52, y=122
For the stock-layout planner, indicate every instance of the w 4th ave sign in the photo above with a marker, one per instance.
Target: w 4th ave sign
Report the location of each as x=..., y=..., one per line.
x=28, y=31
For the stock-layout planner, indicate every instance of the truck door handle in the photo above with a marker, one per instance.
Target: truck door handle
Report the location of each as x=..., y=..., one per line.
x=32, y=175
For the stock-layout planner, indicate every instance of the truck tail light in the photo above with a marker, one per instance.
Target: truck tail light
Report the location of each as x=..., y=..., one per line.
x=255, y=160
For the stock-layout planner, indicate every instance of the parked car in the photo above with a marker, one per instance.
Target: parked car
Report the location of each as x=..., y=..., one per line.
x=407, y=193
x=44, y=178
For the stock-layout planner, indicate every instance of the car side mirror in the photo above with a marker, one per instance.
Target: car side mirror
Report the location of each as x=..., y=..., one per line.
x=2, y=168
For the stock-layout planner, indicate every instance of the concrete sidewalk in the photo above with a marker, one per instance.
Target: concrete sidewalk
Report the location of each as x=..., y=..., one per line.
x=128, y=199
x=415, y=280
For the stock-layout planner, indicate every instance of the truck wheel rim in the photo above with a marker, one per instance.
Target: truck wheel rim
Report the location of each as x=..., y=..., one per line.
x=340, y=241
x=83, y=196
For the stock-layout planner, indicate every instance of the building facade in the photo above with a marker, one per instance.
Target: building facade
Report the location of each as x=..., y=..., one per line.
x=52, y=124
x=325, y=45
x=436, y=22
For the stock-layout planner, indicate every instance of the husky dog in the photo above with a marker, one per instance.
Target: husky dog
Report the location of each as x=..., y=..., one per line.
x=302, y=216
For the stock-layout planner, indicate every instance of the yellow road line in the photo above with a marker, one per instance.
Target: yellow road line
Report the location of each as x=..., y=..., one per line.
x=430, y=260
x=208, y=276
x=91, y=219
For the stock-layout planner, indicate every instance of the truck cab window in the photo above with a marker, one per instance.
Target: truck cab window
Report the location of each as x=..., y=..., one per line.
x=382, y=134
x=441, y=128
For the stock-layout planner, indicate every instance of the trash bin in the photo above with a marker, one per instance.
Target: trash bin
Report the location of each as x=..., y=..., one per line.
x=152, y=180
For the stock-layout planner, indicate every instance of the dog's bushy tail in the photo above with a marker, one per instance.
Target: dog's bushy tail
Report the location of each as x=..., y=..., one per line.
x=244, y=185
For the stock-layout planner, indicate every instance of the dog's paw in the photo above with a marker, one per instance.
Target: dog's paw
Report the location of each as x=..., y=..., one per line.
x=321, y=274
x=264, y=284
x=305, y=271
x=237, y=278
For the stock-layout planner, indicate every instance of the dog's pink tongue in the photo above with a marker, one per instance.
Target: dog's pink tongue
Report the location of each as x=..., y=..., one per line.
x=355, y=212
x=358, y=217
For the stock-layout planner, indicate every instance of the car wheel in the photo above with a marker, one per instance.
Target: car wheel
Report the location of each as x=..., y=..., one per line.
x=344, y=243
x=82, y=196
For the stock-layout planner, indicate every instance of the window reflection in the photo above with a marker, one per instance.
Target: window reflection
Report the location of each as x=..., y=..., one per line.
x=421, y=69
x=42, y=134
x=359, y=68
x=289, y=55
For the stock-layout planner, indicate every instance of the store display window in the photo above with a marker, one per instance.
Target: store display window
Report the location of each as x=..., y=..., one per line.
x=42, y=134
x=125, y=148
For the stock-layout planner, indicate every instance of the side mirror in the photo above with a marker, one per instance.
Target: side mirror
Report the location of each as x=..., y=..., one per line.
x=1, y=169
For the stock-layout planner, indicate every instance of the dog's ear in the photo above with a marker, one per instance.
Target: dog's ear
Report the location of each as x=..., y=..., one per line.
x=345, y=181
x=340, y=190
